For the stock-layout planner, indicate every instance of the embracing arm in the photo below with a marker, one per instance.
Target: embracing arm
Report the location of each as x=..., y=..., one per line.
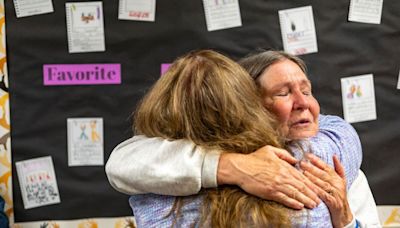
x=337, y=137
x=156, y=165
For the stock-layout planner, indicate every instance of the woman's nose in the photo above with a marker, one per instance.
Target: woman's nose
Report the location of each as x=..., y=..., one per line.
x=300, y=101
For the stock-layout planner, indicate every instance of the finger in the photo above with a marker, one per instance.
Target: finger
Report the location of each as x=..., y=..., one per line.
x=299, y=195
x=294, y=178
x=317, y=161
x=321, y=192
x=302, y=184
x=338, y=167
x=285, y=155
x=316, y=171
x=331, y=196
x=324, y=187
x=314, y=190
x=288, y=201
x=311, y=188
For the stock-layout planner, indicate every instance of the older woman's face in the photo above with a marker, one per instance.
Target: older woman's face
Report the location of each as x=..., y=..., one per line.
x=287, y=93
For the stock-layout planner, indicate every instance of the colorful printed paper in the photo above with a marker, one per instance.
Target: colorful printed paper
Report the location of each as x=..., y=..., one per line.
x=298, y=30
x=358, y=95
x=38, y=182
x=85, y=27
x=85, y=141
x=24, y=8
x=81, y=74
x=366, y=11
x=165, y=67
x=137, y=10
x=222, y=14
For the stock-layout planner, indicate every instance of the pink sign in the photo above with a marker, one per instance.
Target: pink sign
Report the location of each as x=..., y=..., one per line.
x=164, y=67
x=81, y=74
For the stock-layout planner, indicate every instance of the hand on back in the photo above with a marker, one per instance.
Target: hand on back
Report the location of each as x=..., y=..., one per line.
x=331, y=184
x=269, y=174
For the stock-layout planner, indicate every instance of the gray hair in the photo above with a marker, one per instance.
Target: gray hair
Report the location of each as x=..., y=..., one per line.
x=256, y=63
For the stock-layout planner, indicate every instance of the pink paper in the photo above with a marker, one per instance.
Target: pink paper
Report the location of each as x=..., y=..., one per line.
x=164, y=67
x=81, y=74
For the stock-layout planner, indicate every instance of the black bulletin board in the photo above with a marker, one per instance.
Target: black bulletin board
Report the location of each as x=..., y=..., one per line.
x=39, y=113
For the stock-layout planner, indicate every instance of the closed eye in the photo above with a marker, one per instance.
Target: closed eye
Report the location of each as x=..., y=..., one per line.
x=282, y=94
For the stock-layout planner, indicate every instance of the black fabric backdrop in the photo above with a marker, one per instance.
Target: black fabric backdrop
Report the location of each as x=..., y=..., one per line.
x=39, y=113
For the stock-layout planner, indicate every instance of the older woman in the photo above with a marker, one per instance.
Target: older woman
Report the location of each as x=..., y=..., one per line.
x=298, y=119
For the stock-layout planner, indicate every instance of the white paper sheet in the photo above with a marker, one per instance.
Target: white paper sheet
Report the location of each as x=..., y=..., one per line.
x=137, y=10
x=398, y=81
x=38, y=182
x=298, y=30
x=24, y=8
x=85, y=27
x=222, y=14
x=85, y=141
x=366, y=11
x=358, y=96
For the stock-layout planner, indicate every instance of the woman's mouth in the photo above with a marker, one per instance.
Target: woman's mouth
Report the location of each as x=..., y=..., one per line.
x=301, y=123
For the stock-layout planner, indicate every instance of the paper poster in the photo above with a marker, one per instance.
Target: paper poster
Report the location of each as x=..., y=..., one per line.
x=24, y=8
x=38, y=182
x=85, y=141
x=366, y=11
x=81, y=74
x=358, y=95
x=164, y=67
x=137, y=10
x=398, y=81
x=222, y=14
x=298, y=30
x=85, y=27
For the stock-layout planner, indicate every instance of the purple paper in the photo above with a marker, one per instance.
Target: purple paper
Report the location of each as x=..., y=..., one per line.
x=164, y=67
x=81, y=74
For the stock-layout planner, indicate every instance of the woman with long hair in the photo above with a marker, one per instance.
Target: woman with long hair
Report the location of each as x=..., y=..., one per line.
x=210, y=100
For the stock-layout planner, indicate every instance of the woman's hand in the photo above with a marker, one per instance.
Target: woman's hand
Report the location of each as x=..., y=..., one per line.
x=269, y=174
x=331, y=184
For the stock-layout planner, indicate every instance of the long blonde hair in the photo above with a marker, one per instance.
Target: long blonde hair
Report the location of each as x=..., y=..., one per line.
x=209, y=99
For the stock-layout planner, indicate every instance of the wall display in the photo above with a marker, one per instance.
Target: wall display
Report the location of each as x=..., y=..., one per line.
x=358, y=96
x=81, y=74
x=366, y=11
x=25, y=8
x=222, y=14
x=38, y=113
x=85, y=27
x=137, y=10
x=398, y=81
x=38, y=182
x=298, y=30
x=85, y=141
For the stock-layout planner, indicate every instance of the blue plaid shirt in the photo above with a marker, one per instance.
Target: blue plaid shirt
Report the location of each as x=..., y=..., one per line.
x=335, y=136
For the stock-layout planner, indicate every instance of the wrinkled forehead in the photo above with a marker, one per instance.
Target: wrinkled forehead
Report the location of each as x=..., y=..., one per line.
x=282, y=73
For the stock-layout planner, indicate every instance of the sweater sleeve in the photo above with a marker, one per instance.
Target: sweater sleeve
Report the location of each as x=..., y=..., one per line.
x=155, y=165
x=336, y=136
